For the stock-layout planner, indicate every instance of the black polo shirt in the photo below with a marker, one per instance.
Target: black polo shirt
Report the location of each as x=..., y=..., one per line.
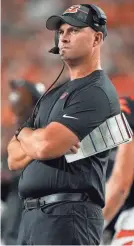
x=81, y=105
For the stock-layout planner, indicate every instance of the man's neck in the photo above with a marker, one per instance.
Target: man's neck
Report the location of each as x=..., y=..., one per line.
x=80, y=70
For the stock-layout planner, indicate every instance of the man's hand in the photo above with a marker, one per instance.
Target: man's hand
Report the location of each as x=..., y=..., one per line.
x=74, y=149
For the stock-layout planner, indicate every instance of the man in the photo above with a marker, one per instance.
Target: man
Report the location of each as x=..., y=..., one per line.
x=22, y=98
x=63, y=201
x=120, y=186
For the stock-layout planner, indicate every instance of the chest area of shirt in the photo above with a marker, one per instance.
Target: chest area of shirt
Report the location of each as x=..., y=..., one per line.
x=51, y=106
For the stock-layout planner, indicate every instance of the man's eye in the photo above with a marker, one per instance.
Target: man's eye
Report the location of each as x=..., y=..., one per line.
x=75, y=30
x=60, y=32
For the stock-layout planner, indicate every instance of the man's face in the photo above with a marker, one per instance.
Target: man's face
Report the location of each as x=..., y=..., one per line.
x=75, y=42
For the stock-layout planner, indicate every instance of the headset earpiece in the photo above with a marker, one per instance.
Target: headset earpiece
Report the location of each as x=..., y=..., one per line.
x=100, y=14
x=99, y=18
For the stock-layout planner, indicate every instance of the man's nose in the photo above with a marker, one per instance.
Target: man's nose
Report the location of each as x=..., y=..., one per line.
x=64, y=38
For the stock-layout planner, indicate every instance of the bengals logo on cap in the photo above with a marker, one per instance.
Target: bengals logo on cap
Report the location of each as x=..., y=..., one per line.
x=73, y=9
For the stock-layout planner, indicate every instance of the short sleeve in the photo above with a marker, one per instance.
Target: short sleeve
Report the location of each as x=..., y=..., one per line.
x=86, y=110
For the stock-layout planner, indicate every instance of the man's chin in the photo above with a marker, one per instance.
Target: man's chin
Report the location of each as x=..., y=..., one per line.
x=64, y=56
x=64, y=53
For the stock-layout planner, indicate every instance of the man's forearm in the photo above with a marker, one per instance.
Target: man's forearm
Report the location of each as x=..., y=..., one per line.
x=115, y=198
x=32, y=142
x=17, y=158
x=35, y=146
x=47, y=143
x=14, y=164
x=122, y=177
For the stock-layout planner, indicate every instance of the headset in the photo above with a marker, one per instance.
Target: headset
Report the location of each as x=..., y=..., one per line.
x=99, y=18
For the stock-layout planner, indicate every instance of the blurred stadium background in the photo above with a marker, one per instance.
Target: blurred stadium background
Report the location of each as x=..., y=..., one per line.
x=26, y=41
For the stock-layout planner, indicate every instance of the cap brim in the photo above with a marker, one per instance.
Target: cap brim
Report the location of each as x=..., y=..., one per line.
x=54, y=22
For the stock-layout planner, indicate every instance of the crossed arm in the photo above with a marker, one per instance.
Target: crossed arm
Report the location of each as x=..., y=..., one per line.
x=41, y=144
x=56, y=139
x=119, y=184
x=17, y=158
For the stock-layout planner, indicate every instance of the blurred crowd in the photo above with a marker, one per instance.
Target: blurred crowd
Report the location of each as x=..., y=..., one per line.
x=25, y=56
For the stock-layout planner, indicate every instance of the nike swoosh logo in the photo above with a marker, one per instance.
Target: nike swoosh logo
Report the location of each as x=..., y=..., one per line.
x=71, y=117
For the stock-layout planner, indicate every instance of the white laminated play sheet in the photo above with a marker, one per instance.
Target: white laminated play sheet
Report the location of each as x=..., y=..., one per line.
x=111, y=133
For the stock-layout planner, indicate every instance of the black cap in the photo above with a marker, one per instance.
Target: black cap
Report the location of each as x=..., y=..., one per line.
x=83, y=15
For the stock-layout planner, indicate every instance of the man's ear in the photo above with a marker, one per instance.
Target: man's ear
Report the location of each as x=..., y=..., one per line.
x=98, y=38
